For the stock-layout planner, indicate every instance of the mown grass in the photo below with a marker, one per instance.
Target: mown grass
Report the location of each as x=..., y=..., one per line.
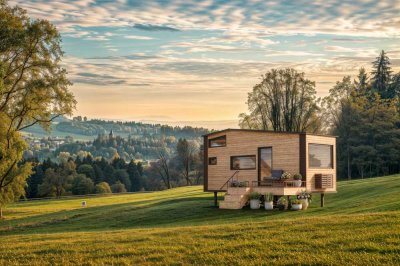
x=360, y=225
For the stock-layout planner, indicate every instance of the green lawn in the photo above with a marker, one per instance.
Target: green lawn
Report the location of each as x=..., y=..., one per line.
x=360, y=225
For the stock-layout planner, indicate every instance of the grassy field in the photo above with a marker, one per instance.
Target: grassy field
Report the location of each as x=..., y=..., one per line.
x=360, y=225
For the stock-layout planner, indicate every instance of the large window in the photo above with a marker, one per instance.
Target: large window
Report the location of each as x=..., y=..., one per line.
x=217, y=142
x=320, y=156
x=243, y=162
x=265, y=162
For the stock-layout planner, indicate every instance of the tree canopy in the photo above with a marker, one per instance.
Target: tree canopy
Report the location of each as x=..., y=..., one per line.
x=33, y=89
x=283, y=101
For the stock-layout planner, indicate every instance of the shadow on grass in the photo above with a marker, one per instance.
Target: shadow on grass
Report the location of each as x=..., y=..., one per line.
x=141, y=215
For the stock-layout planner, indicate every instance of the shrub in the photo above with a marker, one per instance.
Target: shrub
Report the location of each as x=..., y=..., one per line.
x=235, y=183
x=103, y=188
x=82, y=185
x=282, y=201
x=286, y=175
x=269, y=197
x=118, y=187
x=297, y=177
x=242, y=184
x=296, y=201
x=304, y=194
x=254, y=196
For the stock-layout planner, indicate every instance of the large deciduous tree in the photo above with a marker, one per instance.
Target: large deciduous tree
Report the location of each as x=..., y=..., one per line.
x=33, y=89
x=283, y=101
x=186, y=152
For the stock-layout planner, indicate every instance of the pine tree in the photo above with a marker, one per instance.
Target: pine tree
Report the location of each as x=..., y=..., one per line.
x=381, y=75
x=362, y=81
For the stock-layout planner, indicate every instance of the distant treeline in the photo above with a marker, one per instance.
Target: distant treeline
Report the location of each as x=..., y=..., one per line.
x=130, y=140
x=82, y=174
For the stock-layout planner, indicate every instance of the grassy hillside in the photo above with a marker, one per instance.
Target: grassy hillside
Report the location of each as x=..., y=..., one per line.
x=359, y=225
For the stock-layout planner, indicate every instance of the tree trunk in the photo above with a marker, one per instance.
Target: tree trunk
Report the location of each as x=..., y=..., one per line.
x=1, y=212
x=348, y=164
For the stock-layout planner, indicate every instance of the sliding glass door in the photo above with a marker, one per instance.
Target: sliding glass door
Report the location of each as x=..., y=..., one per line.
x=264, y=162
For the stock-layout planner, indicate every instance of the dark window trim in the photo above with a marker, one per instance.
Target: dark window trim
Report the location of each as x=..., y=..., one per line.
x=209, y=142
x=252, y=155
x=205, y=165
x=259, y=160
x=332, y=159
x=211, y=158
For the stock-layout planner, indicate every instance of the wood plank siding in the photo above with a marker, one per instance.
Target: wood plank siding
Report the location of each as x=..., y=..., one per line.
x=311, y=172
x=289, y=153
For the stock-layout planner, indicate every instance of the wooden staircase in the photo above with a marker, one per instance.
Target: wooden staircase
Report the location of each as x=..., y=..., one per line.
x=235, y=198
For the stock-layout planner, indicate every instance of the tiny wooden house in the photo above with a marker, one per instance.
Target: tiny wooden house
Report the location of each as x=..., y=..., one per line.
x=254, y=160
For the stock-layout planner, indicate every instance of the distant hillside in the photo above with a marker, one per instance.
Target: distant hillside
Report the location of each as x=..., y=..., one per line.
x=358, y=226
x=88, y=130
x=131, y=140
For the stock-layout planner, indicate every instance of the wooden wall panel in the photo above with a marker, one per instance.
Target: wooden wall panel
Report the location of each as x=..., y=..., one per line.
x=312, y=171
x=285, y=154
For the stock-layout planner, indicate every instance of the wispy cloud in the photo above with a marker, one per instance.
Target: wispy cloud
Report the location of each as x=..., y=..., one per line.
x=150, y=27
x=137, y=37
x=169, y=56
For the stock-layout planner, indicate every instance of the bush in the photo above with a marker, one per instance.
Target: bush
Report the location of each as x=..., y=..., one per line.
x=296, y=201
x=269, y=197
x=82, y=185
x=297, y=177
x=282, y=203
x=254, y=196
x=103, y=188
x=118, y=187
x=286, y=175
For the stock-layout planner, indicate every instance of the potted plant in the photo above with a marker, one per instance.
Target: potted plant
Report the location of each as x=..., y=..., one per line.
x=282, y=203
x=269, y=201
x=296, y=205
x=305, y=198
x=242, y=184
x=254, y=200
x=297, y=180
x=286, y=175
x=235, y=183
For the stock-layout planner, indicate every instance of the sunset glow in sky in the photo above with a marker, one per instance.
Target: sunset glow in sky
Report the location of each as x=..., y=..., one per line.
x=195, y=61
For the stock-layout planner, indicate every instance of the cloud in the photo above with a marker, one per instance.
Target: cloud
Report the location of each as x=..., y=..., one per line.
x=348, y=40
x=137, y=37
x=346, y=18
x=150, y=27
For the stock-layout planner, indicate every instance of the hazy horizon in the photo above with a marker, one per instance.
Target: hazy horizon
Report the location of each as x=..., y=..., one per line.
x=177, y=61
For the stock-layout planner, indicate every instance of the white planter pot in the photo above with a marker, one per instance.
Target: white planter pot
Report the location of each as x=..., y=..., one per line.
x=296, y=207
x=305, y=203
x=297, y=183
x=269, y=205
x=254, y=204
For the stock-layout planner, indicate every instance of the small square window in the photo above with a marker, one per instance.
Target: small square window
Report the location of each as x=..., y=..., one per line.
x=217, y=142
x=212, y=161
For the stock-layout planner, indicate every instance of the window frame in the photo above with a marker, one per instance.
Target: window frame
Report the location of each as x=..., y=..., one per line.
x=212, y=158
x=219, y=137
x=259, y=160
x=331, y=156
x=251, y=155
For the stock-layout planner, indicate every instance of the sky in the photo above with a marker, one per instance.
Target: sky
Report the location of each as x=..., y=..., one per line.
x=194, y=62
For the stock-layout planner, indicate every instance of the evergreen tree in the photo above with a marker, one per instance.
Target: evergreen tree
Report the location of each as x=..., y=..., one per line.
x=381, y=75
x=362, y=82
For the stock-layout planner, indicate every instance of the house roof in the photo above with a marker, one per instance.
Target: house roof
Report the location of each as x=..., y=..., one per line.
x=267, y=131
